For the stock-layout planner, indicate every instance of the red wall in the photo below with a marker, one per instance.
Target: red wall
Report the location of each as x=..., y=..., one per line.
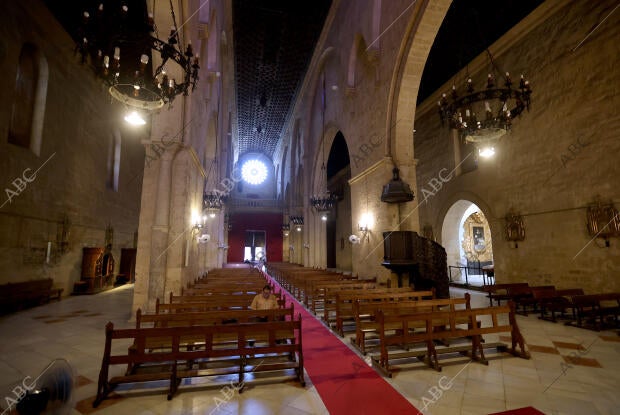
x=271, y=223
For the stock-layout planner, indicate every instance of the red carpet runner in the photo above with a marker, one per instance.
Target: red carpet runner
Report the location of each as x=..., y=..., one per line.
x=346, y=384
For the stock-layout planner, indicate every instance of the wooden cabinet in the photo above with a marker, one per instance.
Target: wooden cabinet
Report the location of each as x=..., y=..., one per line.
x=97, y=271
x=421, y=260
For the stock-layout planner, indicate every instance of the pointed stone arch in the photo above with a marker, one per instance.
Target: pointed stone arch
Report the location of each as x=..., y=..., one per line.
x=420, y=34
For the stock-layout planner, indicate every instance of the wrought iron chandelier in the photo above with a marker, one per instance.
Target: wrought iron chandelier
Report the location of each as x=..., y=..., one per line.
x=323, y=203
x=118, y=42
x=212, y=204
x=485, y=115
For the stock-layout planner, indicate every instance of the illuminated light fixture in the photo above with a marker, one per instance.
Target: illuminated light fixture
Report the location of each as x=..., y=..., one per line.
x=198, y=222
x=285, y=229
x=366, y=221
x=324, y=216
x=134, y=118
x=211, y=203
x=486, y=152
x=254, y=172
x=485, y=115
x=119, y=43
x=297, y=221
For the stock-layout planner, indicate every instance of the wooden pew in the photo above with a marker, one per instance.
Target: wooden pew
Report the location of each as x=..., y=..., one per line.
x=208, y=318
x=366, y=324
x=201, y=306
x=234, y=299
x=330, y=298
x=217, y=354
x=315, y=295
x=345, y=300
x=593, y=310
x=395, y=331
x=552, y=300
x=523, y=296
x=18, y=295
x=499, y=292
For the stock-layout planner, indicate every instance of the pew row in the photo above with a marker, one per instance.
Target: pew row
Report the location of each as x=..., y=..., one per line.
x=345, y=299
x=366, y=325
x=197, y=351
x=400, y=336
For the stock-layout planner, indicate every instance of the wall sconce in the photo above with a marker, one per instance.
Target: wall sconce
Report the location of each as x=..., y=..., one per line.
x=285, y=229
x=364, y=224
x=515, y=229
x=603, y=221
x=198, y=222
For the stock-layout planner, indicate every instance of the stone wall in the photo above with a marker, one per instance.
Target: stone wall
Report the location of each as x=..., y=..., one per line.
x=361, y=55
x=556, y=160
x=69, y=202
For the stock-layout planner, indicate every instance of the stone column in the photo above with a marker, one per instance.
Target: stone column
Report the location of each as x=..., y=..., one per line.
x=160, y=230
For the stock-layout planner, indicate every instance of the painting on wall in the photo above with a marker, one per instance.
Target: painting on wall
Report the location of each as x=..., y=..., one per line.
x=476, y=241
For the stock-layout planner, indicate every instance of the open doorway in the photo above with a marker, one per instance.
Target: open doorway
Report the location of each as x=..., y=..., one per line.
x=338, y=226
x=255, y=246
x=466, y=235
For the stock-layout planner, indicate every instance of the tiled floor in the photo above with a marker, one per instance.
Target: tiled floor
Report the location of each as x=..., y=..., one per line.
x=572, y=370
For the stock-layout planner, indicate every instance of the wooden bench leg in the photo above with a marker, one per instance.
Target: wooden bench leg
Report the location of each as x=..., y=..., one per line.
x=477, y=351
x=433, y=361
x=174, y=381
x=103, y=388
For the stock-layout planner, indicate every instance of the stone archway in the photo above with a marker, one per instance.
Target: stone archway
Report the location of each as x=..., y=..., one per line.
x=466, y=236
x=419, y=36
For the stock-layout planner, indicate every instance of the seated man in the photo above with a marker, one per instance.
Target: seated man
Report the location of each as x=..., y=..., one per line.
x=265, y=300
